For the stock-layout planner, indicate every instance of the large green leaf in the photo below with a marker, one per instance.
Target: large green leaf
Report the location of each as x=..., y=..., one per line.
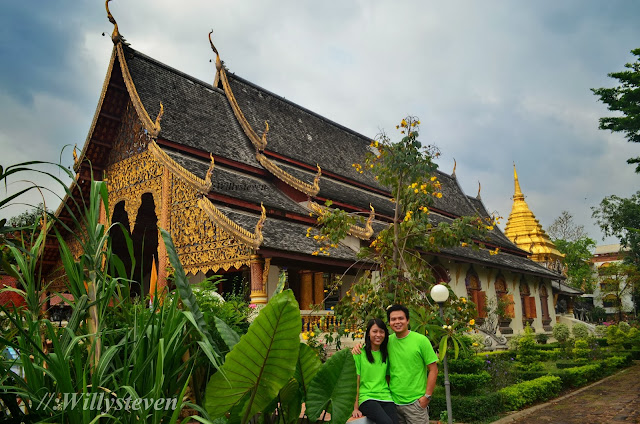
x=333, y=388
x=230, y=337
x=307, y=367
x=261, y=363
x=290, y=400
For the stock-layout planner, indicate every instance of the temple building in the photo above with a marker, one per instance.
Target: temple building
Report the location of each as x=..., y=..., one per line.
x=232, y=171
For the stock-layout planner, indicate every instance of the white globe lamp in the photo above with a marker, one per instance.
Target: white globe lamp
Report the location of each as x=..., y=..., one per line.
x=439, y=293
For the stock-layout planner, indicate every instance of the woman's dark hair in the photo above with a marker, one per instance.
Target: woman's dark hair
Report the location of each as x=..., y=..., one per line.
x=385, y=342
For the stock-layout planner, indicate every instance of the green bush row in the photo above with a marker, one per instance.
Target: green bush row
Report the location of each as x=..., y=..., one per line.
x=465, y=384
x=550, y=355
x=579, y=376
x=525, y=393
x=467, y=408
x=497, y=354
x=471, y=365
x=549, y=346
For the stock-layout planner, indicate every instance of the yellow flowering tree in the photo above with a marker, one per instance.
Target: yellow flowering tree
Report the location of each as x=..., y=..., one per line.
x=406, y=168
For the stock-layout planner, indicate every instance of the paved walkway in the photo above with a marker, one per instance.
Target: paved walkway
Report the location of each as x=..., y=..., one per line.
x=615, y=399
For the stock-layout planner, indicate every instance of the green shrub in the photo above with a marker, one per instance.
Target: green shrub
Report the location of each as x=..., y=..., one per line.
x=580, y=331
x=581, y=349
x=527, y=352
x=465, y=384
x=525, y=393
x=601, y=341
x=601, y=331
x=624, y=327
x=561, y=332
x=467, y=408
x=466, y=365
x=616, y=337
x=549, y=346
x=566, y=364
x=550, y=355
x=542, y=338
x=578, y=376
x=498, y=354
x=615, y=362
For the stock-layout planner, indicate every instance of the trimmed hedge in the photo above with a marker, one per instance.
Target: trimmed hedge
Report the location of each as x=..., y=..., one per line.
x=566, y=364
x=550, y=346
x=550, y=355
x=498, y=354
x=525, y=393
x=467, y=408
x=471, y=365
x=616, y=362
x=464, y=384
x=579, y=376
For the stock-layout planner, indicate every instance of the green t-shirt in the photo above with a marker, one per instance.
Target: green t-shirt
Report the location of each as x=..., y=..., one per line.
x=373, y=377
x=408, y=360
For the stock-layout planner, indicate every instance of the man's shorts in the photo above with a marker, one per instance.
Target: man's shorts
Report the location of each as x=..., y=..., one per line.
x=413, y=413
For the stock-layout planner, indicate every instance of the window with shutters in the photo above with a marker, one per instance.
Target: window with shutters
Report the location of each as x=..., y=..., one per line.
x=475, y=293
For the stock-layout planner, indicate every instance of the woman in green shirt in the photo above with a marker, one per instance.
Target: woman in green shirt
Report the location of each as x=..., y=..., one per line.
x=373, y=398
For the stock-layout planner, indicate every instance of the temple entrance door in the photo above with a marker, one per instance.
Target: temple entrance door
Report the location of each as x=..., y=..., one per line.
x=118, y=242
x=145, y=245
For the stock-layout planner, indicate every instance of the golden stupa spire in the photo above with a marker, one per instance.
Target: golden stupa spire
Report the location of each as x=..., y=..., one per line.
x=525, y=231
x=517, y=192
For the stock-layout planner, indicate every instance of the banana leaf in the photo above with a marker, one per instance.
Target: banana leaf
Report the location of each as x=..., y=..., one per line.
x=262, y=362
x=333, y=389
x=307, y=367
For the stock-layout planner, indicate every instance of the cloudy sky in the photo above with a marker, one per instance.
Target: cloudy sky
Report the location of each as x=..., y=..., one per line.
x=493, y=82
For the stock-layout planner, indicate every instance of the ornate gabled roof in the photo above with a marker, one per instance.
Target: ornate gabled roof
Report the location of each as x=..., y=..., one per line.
x=496, y=235
x=525, y=230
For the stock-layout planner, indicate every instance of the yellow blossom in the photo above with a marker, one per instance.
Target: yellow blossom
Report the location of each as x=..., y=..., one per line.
x=403, y=123
x=312, y=334
x=463, y=300
x=463, y=244
x=305, y=336
x=332, y=308
x=439, y=195
x=472, y=322
x=346, y=330
x=433, y=178
x=475, y=344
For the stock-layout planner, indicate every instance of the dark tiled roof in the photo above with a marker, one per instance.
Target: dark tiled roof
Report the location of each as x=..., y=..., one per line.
x=240, y=186
x=195, y=114
x=199, y=116
x=296, y=131
x=501, y=260
x=285, y=235
x=496, y=235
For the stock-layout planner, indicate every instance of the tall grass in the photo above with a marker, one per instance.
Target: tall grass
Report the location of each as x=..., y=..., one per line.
x=112, y=345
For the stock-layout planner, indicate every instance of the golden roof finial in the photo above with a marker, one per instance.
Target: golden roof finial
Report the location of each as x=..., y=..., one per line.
x=207, y=177
x=116, y=37
x=517, y=193
x=159, y=117
x=218, y=61
x=455, y=164
x=75, y=155
x=259, y=225
x=316, y=180
x=479, y=188
x=264, y=134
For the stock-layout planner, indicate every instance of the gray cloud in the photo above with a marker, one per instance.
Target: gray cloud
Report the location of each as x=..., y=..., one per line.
x=493, y=82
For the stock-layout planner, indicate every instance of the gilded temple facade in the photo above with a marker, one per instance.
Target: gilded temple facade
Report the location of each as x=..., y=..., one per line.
x=232, y=172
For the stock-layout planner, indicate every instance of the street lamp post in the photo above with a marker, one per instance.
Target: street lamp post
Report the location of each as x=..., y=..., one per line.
x=440, y=294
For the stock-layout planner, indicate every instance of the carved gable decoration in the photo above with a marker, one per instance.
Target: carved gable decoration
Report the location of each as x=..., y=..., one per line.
x=138, y=166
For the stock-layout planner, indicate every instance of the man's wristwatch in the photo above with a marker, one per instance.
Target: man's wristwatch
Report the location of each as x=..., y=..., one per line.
x=428, y=397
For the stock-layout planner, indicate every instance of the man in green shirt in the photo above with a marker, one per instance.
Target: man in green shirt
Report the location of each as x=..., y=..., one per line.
x=410, y=355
